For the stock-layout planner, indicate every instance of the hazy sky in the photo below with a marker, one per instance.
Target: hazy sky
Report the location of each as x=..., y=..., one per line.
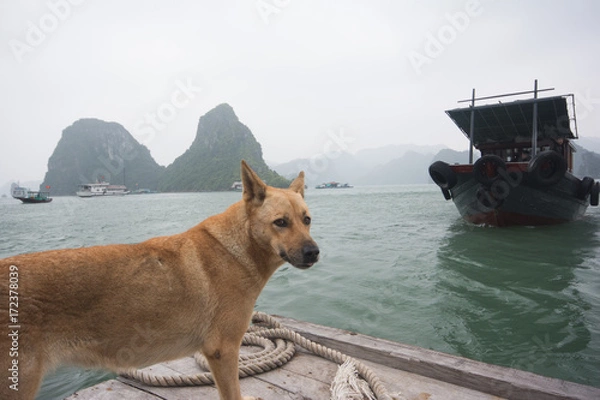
x=307, y=77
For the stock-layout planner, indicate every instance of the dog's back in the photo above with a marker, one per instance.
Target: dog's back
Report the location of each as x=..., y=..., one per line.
x=98, y=307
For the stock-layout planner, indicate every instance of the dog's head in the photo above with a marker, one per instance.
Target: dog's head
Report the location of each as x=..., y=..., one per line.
x=279, y=219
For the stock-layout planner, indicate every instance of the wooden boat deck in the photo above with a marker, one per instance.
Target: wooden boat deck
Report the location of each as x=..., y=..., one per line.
x=416, y=373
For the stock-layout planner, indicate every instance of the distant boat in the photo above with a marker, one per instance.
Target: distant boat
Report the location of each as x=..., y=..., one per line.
x=143, y=191
x=29, y=197
x=333, y=185
x=237, y=185
x=524, y=175
x=101, y=189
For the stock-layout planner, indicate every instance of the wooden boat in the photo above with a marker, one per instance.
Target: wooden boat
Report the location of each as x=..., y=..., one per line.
x=29, y=197
x=407, y=372
x=524, y=175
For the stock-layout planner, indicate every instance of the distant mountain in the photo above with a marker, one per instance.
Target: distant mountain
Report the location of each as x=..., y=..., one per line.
x=374, y=157
x=92, y=150
x=409, y=169
x=213, y=160
x=342, y=168
x=374, y=166
x=589, y=143
x=586, y=163
x=455, y=157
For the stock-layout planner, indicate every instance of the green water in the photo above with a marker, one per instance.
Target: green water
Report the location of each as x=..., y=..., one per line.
x=397, y=262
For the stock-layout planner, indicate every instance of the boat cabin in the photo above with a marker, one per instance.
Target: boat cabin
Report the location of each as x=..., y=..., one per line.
x=508, y=129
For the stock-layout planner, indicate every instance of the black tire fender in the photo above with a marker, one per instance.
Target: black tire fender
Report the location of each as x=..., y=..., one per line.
x=442, y=175
x=447, y=194
x=486, y=170
x=595, y=194
x=547, y=168
x=585, y=186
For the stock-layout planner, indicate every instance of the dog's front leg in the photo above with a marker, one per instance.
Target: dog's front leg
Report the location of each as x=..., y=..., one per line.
x=223, y=359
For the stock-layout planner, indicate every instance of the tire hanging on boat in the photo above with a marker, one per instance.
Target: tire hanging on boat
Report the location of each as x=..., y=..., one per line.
x=442, y=175
x=595, y=194
x=547, y=168
x=486, y=170
x=447, y=194
x=585, y=186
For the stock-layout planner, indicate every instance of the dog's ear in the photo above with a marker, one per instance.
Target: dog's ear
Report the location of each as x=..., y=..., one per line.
x=255, y=190
x=298, y=184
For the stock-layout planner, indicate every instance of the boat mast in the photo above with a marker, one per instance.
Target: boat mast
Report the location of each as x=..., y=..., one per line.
x=472, y=127
x=534, y=134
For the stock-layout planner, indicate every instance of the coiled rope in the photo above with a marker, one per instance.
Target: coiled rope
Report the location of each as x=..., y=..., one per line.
x=278, y=348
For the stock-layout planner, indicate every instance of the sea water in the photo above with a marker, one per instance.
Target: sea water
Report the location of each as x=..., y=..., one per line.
x=397, y=262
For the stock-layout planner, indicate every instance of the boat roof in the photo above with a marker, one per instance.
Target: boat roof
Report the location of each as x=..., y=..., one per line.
x=513, y=121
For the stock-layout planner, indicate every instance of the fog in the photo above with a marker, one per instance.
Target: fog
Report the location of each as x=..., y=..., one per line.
x=296, y=72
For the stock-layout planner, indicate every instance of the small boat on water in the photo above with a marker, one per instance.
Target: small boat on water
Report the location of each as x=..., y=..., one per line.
x=524, y=175
x=28, y=196
x=101, y=189
x=143, y=191
x=333, y=185
x=237, y=186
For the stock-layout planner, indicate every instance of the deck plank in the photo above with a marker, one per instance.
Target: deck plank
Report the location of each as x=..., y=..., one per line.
x=419, y=374
x=304, y=384
x=250, y=387
x=417, y=387
x=486, y=378
x=112, y=390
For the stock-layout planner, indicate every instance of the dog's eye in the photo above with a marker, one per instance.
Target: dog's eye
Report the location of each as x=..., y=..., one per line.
x=307, y=220
x=282, y=223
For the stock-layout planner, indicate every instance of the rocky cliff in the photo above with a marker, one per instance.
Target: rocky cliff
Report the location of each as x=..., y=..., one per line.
x=92, y=150
x=212, y=162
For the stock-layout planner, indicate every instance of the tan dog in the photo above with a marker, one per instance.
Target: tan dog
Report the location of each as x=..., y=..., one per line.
x=125, y=306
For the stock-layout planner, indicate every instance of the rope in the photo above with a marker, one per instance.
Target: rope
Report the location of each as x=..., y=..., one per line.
x=278, y=348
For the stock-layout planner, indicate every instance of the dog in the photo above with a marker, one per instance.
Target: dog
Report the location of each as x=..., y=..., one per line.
x=119, y=307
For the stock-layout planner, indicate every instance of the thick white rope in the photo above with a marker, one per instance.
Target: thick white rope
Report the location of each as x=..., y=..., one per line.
x=278, y=343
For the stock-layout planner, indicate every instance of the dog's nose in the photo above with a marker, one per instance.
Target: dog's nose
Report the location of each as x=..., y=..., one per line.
x=311, y=253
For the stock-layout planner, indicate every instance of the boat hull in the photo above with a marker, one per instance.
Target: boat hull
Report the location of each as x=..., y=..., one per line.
x=28, y=200
x=516, y=199
x=100, y=194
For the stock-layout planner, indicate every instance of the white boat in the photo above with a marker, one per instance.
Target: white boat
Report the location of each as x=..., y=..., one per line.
x=237, y=185
x=101, y=189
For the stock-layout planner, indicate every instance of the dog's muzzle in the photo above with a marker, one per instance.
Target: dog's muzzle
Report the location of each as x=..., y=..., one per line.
x=310, y=255
x=303, y=259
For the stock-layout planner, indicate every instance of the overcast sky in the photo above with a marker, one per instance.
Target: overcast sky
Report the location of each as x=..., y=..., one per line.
x=307, y=77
